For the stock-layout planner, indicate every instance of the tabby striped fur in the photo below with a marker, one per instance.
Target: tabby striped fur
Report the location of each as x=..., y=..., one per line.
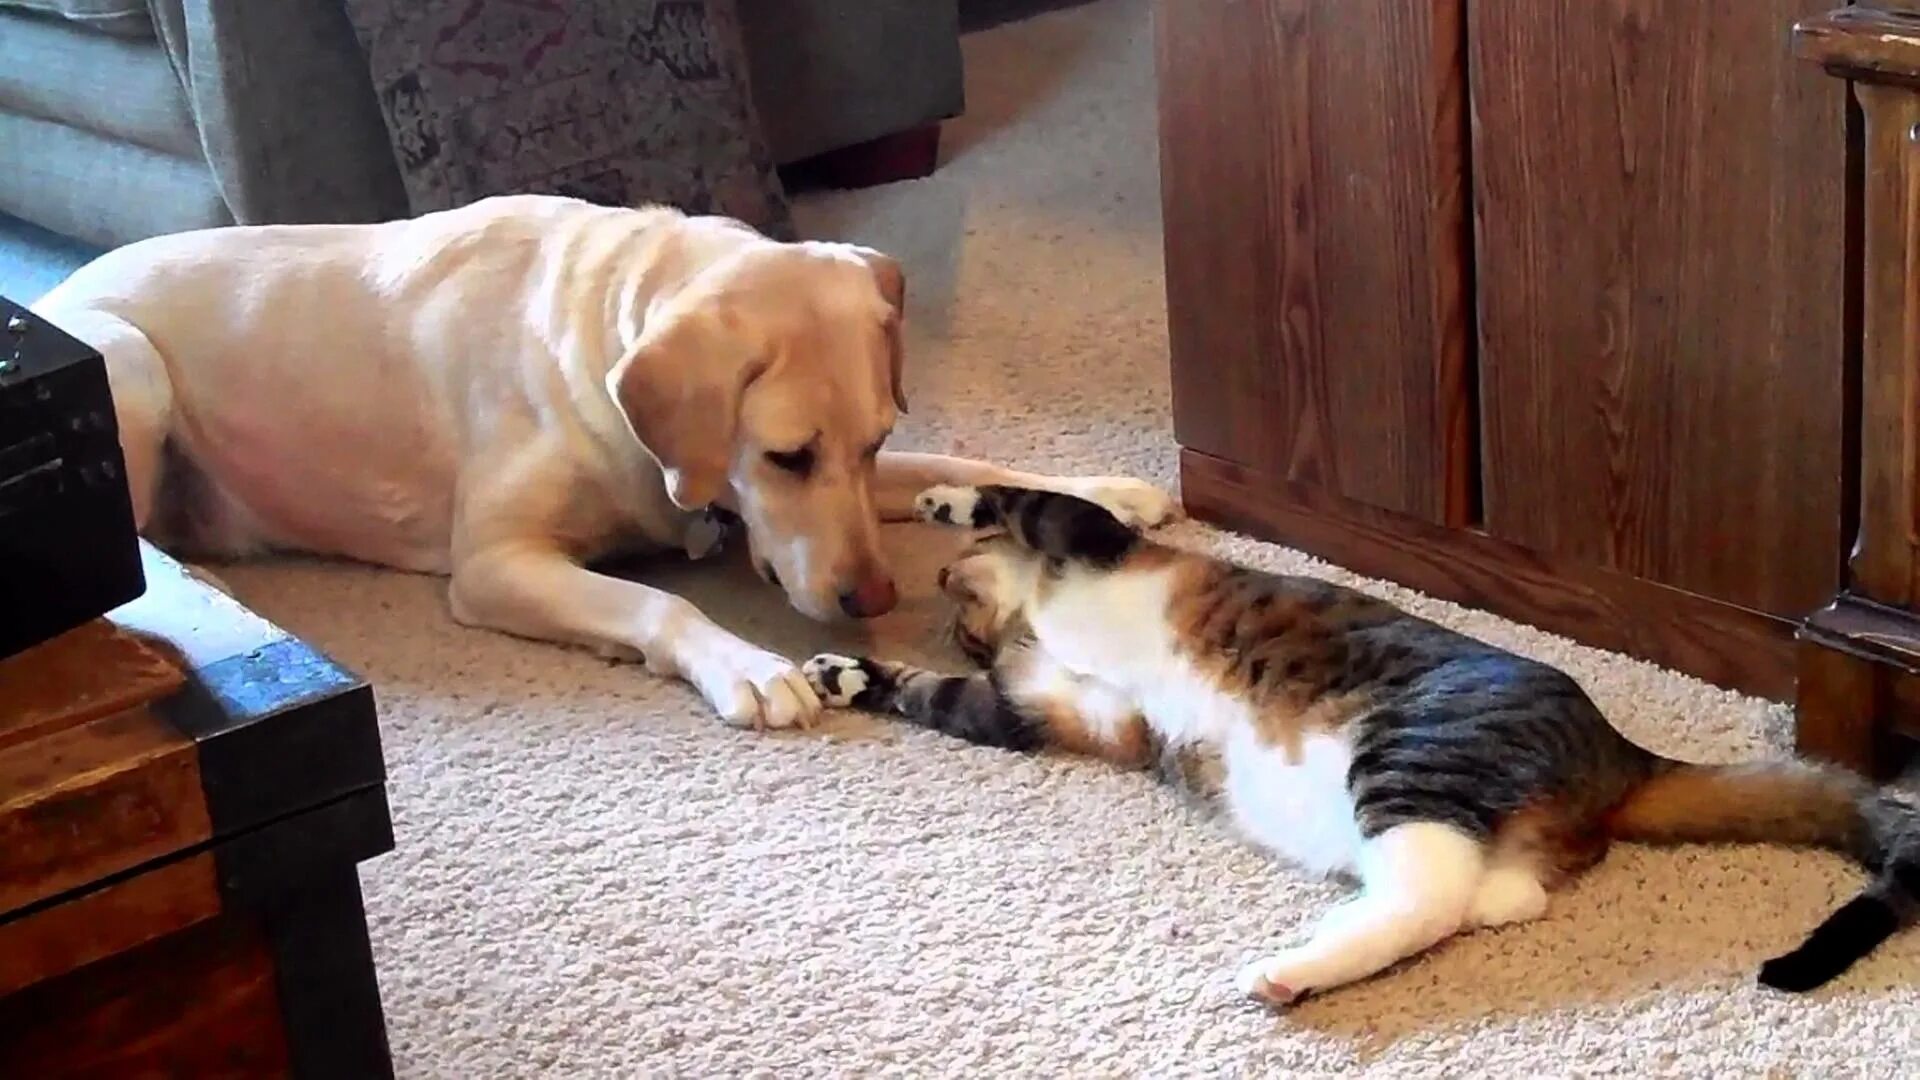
x=1457, y=781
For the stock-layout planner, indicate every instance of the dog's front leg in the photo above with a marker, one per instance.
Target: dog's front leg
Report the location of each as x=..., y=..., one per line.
x=899, y=476
x=540, y=593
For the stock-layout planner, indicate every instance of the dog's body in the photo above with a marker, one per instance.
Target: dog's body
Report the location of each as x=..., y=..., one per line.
x=506, y=391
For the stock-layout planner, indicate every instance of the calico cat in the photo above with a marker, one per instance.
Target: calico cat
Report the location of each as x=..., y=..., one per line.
x=1458, y=782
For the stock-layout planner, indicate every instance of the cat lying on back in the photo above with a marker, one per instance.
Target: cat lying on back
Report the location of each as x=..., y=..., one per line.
x=1458, y=782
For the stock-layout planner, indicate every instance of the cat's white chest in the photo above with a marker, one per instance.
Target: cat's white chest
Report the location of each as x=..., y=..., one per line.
x=1296, y=807
x=1114, y=630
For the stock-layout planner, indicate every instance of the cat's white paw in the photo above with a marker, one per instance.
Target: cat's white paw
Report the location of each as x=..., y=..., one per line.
x=947, y=505
x=1278, y=980
x=836, y=679
x=1138, y=504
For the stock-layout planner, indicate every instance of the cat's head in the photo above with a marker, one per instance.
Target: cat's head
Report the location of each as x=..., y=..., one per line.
x=989, y=583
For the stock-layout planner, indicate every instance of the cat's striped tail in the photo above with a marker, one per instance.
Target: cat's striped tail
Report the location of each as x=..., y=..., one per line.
x=1800, y=804
x=1054, y=524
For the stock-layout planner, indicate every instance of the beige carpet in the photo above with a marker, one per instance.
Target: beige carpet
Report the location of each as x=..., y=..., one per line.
x=595, y=879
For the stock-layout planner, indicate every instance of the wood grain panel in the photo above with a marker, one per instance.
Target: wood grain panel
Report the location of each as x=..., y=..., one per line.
x=1718, y=642
x=1886, y=561
x=54, y=941
x=84, y=674
x=199, y=1003
x=1839, y=702
x=88, y=802
x=1661, y=209
x=1313, y=181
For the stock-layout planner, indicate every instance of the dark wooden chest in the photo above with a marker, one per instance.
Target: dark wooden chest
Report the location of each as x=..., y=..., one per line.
x=185, y=793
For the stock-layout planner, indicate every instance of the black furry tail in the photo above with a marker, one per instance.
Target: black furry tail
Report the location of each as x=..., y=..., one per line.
x=1056, y=525
x=1800, y=804
x=1890, y=902
x=1855, y=930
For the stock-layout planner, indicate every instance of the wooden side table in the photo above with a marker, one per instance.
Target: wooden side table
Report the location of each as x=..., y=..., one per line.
x=185, y=791
x=1859, y=657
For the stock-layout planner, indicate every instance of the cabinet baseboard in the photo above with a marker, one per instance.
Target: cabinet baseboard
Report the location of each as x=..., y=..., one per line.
x=1722, y=643
x=1859, y=699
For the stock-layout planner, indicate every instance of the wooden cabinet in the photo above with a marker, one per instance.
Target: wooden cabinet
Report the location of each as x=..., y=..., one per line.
x=1541, y=307
x=1660, y=197
x=1315, y=186
x=1859, y=687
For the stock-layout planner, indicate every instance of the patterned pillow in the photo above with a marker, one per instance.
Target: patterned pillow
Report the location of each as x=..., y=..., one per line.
x=623, y=102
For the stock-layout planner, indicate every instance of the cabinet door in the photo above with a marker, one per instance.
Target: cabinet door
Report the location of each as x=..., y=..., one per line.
x=1660, y=192
x=1312, y=172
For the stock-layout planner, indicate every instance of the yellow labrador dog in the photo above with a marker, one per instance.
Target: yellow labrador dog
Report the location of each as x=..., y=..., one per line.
x=509, y=390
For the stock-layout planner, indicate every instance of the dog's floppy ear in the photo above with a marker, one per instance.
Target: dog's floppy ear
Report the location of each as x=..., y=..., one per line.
x=679, y=388
x=893, y=285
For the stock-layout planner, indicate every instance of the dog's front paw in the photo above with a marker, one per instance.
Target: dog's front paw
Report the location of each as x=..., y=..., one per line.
x=1138, y=504
x=839, y=680
x=749, y=686
x=948, y=504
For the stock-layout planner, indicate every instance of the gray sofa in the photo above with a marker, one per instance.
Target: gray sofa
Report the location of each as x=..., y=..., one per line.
x=123, y=119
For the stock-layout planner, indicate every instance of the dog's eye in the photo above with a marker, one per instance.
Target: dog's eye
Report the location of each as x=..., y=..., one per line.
x=798, y=462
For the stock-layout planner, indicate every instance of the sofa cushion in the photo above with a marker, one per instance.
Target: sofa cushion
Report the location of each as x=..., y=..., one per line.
x=121, y=18
x=101, y=190
x=286, y=114
x=112, y=86
x=620, y=102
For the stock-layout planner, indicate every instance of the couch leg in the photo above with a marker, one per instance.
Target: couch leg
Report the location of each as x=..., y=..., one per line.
x=908, y=155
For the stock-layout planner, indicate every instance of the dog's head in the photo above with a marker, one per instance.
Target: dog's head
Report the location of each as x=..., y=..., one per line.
x=767, y=384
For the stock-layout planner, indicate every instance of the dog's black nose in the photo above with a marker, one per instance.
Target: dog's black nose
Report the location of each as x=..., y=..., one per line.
x=875, y=596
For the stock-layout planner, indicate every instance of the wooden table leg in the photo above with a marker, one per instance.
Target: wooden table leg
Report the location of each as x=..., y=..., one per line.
x=323, y=964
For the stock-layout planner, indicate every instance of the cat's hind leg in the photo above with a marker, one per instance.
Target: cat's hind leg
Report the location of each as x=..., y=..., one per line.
x=1419, y=882
x=1507, y=894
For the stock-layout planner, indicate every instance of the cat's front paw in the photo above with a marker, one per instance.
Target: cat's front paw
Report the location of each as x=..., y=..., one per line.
x=947, y=504
x=1275, y=980
x=839, y=680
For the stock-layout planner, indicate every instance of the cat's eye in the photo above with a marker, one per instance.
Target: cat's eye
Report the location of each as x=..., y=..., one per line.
x=798, y=462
